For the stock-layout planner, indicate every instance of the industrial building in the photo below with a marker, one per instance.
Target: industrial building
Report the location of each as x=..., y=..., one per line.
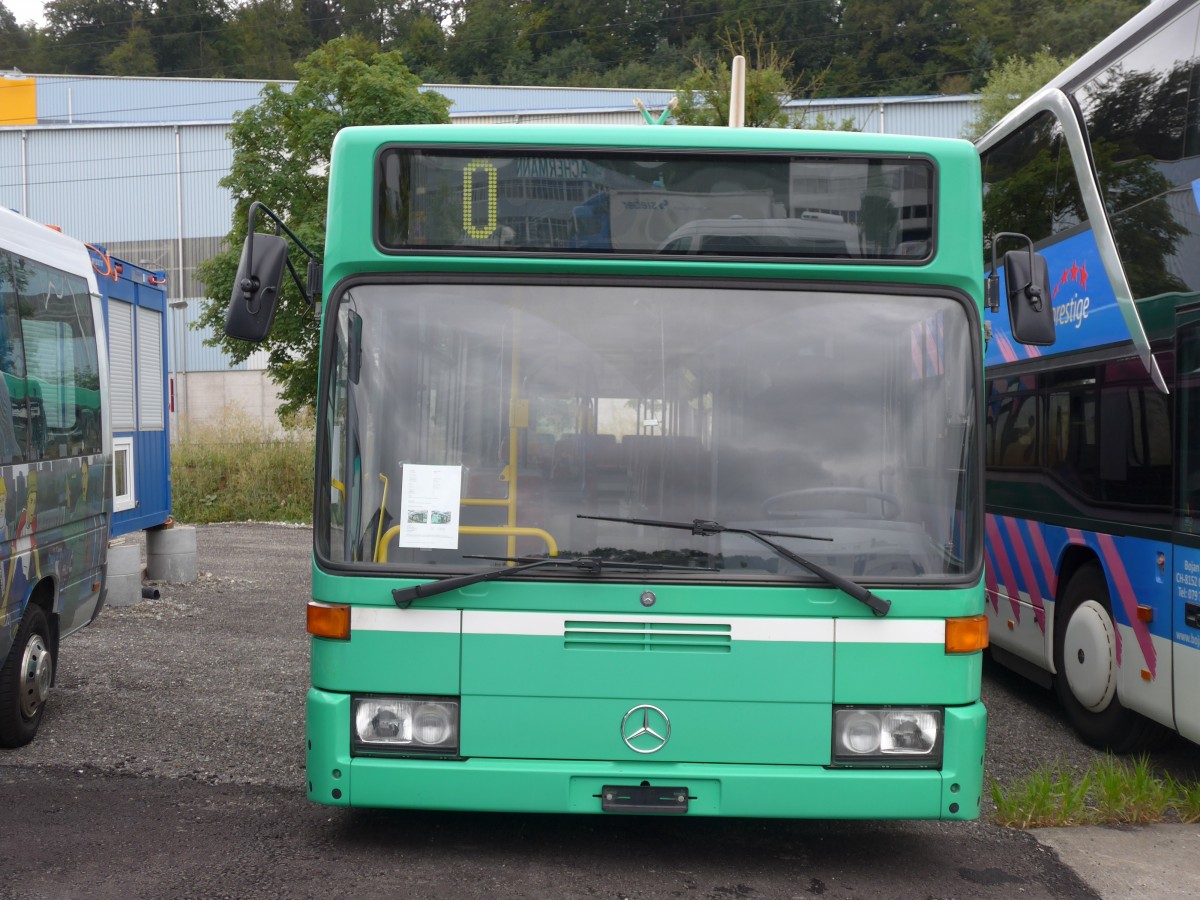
x=134, y=164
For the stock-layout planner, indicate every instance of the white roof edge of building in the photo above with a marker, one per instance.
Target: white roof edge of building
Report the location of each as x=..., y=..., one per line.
x=76, y=126
x=60, y=76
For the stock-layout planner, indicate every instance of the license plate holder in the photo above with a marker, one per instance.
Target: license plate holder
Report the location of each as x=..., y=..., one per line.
x=644, y=799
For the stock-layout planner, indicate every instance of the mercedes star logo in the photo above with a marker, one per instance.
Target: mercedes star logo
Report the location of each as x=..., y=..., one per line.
x=645, y=729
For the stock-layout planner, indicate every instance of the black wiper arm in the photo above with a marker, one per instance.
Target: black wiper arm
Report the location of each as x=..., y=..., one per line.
x=706, y=528
x=593, y=565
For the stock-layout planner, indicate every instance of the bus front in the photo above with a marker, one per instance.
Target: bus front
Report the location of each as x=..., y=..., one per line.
x=649, y=475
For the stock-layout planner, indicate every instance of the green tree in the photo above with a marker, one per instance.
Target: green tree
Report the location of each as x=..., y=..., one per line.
x=704, y=96
x=487, y=43
x=266, y=37
x=190, y=36
x=14, y=42
x=83, y=32
x=412, y=27
x=134, y=55
x=1073, y=27
x=899, y=47
x=1011, y=82
x=281, y=149
x=611, y=31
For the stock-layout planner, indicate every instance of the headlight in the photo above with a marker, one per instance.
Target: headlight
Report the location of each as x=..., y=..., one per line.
x=887, y=736
x=406, y=724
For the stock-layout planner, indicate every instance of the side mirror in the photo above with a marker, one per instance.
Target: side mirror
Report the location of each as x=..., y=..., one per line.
x=256, y=288
x=1027, y=285
x=1029, y=310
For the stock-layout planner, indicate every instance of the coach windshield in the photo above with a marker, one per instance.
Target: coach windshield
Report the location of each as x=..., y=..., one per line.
x=463, y=421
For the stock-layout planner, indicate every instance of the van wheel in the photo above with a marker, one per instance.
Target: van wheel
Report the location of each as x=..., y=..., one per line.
x=1085, y=658
x=25, y=679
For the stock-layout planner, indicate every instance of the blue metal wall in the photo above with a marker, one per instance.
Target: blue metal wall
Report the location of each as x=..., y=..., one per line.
x=151, y=447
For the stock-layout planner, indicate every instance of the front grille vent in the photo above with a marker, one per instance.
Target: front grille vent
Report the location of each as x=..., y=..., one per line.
x=670, y=636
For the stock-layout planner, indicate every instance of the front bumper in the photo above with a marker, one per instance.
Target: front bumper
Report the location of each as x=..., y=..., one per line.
x=561, y=786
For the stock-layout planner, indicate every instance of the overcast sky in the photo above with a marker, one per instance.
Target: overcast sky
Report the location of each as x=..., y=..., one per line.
x=24, y=10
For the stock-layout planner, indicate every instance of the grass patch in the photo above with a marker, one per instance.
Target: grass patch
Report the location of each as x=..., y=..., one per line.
x=240, y=470
x=1187, y=803
x=1113, y=791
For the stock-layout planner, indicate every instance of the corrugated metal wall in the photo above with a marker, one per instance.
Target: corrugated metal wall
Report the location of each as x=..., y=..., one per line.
x=114, y=183
x=77, y=99
x=919, y=116
x=81, y=99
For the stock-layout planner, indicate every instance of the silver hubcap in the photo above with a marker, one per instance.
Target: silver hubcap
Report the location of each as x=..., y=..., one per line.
x=1090, y=656
x=36, y=669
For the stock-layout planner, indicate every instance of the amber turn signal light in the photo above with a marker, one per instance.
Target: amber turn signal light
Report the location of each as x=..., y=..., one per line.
x=329, y=620
x=967, y=634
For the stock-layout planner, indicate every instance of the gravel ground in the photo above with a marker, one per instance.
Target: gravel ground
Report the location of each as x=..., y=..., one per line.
x=207, y=682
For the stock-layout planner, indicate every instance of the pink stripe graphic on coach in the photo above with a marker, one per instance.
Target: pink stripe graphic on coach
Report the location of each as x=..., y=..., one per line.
x=1007, y=577
x=992, y=589
x=1038, y=540
x=1005, y=348
x=1031, y=584
x=1120, y=580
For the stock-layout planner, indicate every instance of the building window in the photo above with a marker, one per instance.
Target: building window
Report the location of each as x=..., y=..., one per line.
x=123, y=492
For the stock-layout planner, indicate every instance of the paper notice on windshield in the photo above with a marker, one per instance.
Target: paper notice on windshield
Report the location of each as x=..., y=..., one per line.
x=429, y=505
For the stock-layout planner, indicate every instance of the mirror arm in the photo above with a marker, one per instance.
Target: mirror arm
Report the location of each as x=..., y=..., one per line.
x=1032, y=293
x=250, y=286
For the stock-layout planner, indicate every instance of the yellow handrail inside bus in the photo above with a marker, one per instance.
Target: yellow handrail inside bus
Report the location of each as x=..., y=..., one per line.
x=382, y=509
x=513, y=533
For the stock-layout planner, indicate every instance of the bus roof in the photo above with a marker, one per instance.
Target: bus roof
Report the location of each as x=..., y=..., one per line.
x=683, y=137
x=36, y=241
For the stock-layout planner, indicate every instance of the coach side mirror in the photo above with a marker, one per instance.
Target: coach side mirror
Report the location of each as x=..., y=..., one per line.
x=256, y=288
x=1027, y=285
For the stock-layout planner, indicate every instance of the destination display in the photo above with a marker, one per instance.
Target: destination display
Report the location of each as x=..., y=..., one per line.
x=656, y=202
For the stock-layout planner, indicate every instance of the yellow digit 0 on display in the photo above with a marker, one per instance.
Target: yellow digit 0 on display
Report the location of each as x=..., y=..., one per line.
x=469, y=226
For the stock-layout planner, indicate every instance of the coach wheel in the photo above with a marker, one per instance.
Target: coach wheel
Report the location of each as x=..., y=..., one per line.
x=1085, y=659
x=25, y=680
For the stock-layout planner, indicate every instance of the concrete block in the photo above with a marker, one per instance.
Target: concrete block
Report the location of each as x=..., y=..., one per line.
x=171, y=554
x=124, y=574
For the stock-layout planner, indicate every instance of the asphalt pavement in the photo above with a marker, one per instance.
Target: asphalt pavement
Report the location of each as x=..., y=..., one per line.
x=1130, y=861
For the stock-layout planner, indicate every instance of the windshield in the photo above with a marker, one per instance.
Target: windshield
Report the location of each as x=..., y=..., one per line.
x=465, y=420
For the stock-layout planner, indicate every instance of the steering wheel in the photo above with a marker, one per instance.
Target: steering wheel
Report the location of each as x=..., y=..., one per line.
x=889, y=503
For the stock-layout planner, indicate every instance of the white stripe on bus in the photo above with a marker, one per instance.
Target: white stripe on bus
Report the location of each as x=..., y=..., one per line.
x=891, y=631
x=539, y=624
x=740, y=629
x=424, y=621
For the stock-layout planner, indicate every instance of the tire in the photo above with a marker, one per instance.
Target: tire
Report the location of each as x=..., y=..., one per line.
x=1085, y=660
x=25, y=679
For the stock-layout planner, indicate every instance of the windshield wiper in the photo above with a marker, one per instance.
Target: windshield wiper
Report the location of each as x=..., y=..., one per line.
x=591, y=565
x=705, y=528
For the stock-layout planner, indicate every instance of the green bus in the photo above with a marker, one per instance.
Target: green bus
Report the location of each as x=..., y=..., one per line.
x=649, y=472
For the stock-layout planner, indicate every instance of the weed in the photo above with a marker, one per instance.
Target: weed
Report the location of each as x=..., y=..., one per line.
x=1050, y=795
x=1187, y=800
x=1111, y=791
x=239, y=470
